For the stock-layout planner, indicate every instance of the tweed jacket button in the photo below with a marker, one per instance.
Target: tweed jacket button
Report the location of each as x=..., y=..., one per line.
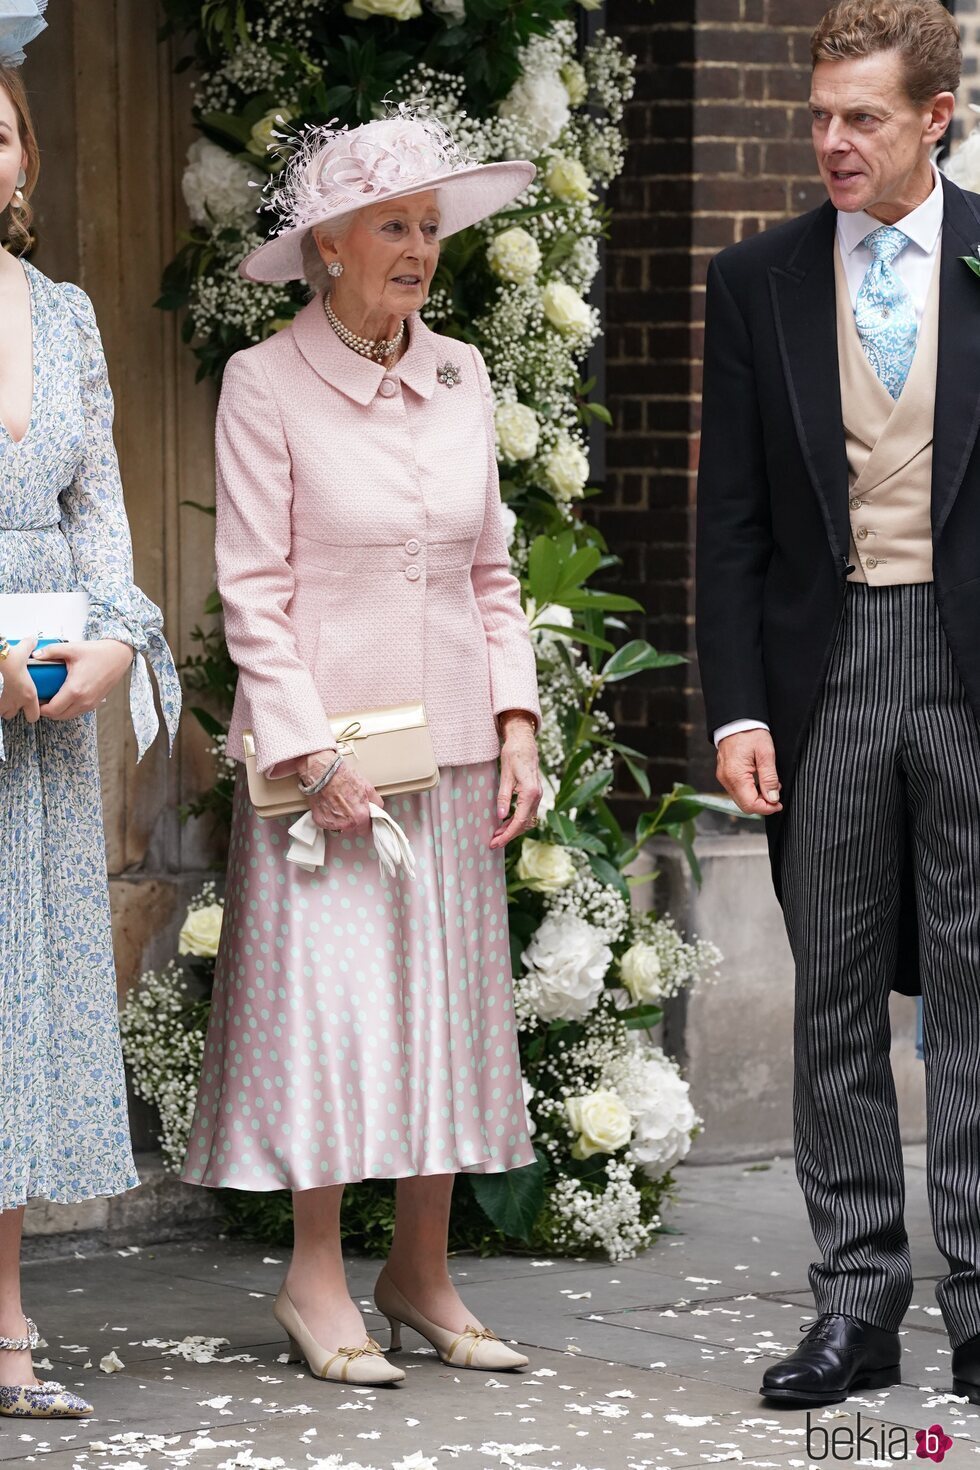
x=388, y=388
x=412, y=546
x=412, y=573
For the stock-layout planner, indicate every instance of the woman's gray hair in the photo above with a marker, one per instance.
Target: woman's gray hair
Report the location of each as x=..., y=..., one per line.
x=314, y=265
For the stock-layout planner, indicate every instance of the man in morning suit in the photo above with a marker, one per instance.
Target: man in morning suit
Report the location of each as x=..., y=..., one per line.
x=838, y=613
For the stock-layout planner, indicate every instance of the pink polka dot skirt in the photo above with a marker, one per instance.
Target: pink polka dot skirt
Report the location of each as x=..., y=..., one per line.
x=362, y=1026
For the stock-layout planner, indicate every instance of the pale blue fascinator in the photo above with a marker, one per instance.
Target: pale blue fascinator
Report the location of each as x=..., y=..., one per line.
x=20, y=22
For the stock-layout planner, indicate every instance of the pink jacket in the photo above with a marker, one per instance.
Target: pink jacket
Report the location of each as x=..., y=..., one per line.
x=362, y=559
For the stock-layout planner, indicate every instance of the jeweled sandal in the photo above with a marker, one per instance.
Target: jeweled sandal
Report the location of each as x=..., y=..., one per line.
x=48, y=1400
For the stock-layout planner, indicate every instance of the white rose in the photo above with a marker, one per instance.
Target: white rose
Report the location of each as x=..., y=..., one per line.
x=601, y=1121
x=539, y=105
x=216, y=186
x=590, y=4
x=393, y=9
x=550, y=613
x=575, y=81
x=262, y=136
x=566, y=469
x=509, y=517
x=565, y=309
x=651, y=1086
x=964, y=166
x=567, y=959
x=201, y=931
x=517, y=431
x=453, y=10
x=640, y=971
x=514, y=255
x=567, y=179
x=544, y=866
x=529, y=1095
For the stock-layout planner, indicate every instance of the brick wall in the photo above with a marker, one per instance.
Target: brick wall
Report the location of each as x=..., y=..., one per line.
x=719, y=149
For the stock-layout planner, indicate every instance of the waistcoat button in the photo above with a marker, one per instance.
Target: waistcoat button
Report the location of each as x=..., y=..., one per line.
x=412, y=573
x=862, y=533
x=412, y=546
x=872, y=561
x=388, y=388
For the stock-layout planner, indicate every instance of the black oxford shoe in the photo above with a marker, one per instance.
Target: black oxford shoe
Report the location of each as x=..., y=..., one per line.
x=837, y=1355
x=966, y=1369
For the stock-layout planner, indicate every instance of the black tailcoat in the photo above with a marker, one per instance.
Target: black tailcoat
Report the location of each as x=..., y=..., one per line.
x=773, y=520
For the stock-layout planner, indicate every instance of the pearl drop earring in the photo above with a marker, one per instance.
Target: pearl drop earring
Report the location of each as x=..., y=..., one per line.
x=335, y=268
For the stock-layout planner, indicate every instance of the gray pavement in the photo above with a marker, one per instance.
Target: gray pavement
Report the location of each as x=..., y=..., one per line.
x=652, y=1363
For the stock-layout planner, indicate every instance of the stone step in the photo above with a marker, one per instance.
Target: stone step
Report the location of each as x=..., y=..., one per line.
x=161, y=1208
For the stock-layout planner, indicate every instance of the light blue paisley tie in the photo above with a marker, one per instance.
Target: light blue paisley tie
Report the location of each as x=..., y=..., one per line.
x=884, y=311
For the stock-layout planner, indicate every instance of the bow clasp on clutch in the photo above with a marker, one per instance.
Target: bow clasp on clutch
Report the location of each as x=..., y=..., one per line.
x=350, y=733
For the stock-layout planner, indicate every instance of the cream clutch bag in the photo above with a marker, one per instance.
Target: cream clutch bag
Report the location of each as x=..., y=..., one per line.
x=392, y=747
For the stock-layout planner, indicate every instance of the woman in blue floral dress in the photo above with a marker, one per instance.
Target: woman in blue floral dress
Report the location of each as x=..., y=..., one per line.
x=64, y=1131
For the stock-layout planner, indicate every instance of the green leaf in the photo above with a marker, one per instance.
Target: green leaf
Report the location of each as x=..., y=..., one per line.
x=576, y=634
x=601, y=601
x=973, y=263
x=641, y=1017
x=593, y=785
x=208, y=722
x=543, y=570
x=609, y=875
x=637, y=655
x=209, y=510
x=514, y=1199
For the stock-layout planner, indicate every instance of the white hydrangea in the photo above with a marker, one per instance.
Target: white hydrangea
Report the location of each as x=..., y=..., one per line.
x=509, y=517
x=566, y=964
x=566, y=468
x=514, y=255
x=651, y=1086
x=518, y=431
x=538, y=104
x=217, y=187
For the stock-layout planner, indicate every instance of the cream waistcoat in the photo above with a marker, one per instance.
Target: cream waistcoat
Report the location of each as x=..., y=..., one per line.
x=889, y=450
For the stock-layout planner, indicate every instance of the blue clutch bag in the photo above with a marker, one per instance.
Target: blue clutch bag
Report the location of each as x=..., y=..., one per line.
x=47, y=677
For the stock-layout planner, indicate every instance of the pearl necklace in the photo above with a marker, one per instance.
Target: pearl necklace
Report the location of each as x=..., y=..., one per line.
x=377, y=351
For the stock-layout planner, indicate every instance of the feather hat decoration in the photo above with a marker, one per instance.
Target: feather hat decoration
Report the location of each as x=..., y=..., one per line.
x=20, y=22
x=332, y=170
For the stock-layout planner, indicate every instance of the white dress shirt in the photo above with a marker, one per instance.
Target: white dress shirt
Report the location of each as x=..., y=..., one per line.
x=914, y=267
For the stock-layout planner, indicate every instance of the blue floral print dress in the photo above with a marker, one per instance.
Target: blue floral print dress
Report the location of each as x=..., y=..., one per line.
x=64, y=1128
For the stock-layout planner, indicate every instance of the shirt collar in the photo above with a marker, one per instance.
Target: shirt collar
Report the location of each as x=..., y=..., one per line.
x=358, y=376
x=922, y=226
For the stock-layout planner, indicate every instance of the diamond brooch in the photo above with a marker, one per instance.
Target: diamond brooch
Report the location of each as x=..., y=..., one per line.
x=449, y=374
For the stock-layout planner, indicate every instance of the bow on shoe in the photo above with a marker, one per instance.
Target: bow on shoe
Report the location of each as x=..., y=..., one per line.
x=368, y=1349
x=474, y=1336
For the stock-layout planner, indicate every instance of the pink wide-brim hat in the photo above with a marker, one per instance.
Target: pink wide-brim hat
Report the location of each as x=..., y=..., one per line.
x=336, y=170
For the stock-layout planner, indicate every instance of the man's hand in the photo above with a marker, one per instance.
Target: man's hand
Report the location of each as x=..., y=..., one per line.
x=747, y=770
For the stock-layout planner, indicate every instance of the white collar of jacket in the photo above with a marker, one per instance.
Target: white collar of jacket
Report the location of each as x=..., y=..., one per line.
x=358, y=376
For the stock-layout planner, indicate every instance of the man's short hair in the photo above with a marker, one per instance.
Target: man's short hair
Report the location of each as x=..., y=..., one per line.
x=922, y=31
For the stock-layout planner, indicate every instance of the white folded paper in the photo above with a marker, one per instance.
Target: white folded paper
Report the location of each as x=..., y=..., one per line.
x=308, y=849
x=44, y=614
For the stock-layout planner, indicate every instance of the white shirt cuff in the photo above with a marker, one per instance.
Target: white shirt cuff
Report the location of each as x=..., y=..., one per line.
x=735, y=728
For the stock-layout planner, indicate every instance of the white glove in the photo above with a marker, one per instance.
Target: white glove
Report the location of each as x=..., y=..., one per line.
x=308, y=849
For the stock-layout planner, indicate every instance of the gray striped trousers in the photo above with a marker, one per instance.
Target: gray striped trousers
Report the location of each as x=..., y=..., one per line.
x=893, y=746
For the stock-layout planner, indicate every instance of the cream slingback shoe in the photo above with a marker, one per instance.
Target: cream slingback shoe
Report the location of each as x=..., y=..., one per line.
x=474, y=1347
x=362, y=1365
x=48, y=1400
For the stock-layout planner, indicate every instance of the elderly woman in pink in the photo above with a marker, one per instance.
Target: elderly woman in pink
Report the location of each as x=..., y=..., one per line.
x=363, y=1025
